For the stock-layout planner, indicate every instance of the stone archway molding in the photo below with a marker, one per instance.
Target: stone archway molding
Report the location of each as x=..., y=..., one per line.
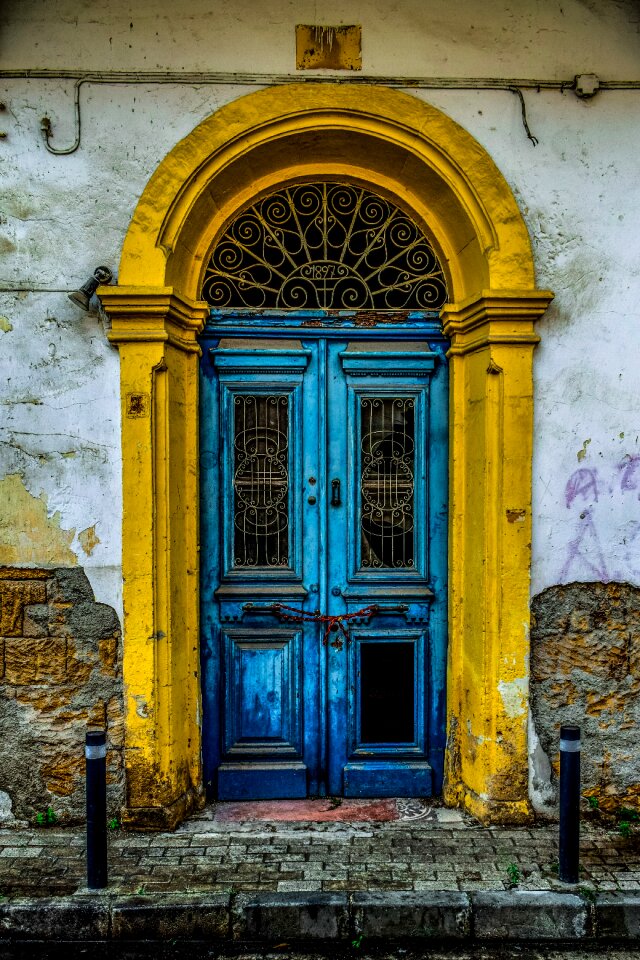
x=419, y=158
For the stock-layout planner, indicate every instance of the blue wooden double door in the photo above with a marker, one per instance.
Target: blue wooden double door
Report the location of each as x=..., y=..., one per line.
x=323, y=555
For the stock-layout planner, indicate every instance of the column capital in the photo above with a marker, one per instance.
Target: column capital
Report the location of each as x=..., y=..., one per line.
x=494, y=317
x=153, y=314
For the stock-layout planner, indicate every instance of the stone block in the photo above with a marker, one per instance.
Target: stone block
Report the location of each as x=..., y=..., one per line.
x=54, y=919
x=400, y=915
x=172, y=917
x=31, y=660
x=46, y=619
x=79, y=667
x=35, y=621
x=64, y=772
x=108, y=653
x=295, y=916
x=529, y=915
x=618, y=916
x=15, y=595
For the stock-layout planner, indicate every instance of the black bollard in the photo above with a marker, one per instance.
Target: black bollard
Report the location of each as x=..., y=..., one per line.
x=96, y=759
x=569, y=858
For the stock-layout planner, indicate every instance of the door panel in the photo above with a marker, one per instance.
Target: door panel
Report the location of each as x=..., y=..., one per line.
x=268, y=686
x=262, y=714
x=263, y=682
x=326, y=497
x=385, y=521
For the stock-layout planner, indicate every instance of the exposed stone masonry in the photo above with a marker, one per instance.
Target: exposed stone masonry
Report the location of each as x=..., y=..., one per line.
x=585, y=669
x=60, y=671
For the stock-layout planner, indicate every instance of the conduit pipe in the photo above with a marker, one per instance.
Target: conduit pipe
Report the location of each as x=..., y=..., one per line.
x=512, y=85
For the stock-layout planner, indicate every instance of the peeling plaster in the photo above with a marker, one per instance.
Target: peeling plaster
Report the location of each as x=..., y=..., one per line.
x=59, y=427
x=142, y=708
x=89, y=539
x=28, y=534
x=541, y=791
x=514, y=695
x=6, y=813
x=581, y=454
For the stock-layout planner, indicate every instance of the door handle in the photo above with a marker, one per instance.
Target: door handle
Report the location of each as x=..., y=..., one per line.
x=378, y=610
x=335, y=493
x=261, y=608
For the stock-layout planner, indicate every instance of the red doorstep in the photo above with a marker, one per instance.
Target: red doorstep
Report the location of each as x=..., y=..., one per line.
x=309, y=810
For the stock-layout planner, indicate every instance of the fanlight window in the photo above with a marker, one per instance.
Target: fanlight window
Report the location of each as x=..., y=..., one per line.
x=324, y=246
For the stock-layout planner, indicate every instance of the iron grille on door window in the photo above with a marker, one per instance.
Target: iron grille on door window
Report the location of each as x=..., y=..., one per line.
x=261, y=480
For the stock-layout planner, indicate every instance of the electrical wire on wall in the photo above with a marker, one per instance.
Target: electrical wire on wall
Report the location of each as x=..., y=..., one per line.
x=584, y=86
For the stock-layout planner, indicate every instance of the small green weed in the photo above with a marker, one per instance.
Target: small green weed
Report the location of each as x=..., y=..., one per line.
x=46, y=819
x=140, y=890
x=357, y=943
x=624, y=813
x=624, y=829
x=588, y=894
x=114, y=824
x=514, y=875
x=594, y=803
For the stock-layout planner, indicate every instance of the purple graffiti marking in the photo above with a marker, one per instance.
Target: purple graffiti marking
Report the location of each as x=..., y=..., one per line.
x=582, y=483
x=629, y=468
x=585, y=550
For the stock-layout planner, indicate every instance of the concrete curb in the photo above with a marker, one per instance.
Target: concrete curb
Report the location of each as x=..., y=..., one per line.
x=436, y=916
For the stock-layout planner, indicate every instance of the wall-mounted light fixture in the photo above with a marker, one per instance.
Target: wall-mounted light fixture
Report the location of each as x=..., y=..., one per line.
x=82, y=296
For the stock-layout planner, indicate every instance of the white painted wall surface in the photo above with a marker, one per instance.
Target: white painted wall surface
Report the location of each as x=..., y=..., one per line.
x=475, y=38
x=62, y=216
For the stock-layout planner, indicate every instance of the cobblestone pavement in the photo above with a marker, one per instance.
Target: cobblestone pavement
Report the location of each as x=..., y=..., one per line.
x=446, y=852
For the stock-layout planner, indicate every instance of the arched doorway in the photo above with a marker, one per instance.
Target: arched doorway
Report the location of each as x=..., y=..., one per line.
x=414, y=156
x=324, y=419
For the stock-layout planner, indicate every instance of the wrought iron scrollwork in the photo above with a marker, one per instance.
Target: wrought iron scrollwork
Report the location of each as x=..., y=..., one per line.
x=387, y=482
x=324, y=246
x=261, y=481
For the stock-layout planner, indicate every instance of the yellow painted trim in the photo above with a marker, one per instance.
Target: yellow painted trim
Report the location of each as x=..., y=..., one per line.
x=420, y=159
x=491, y=354
x=156, y=332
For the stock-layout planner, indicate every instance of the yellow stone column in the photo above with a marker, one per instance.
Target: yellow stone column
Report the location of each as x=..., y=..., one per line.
x=491, y=420
x=156, y=333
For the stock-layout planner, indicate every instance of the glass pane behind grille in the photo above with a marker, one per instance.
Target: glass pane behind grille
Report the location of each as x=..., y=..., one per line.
x=387, y=482
x=387, y=692
x=261, y=481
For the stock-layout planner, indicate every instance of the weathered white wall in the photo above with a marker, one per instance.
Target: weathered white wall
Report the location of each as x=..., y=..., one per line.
x=541, y=38
x=61, y=216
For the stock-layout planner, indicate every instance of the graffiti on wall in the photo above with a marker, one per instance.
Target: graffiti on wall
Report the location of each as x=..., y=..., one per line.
x=590, y=494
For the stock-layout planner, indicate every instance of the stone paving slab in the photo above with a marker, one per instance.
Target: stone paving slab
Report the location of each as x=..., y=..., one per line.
x=290, y=919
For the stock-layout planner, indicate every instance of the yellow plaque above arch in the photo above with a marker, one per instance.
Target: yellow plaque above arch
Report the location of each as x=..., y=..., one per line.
x=422, y=160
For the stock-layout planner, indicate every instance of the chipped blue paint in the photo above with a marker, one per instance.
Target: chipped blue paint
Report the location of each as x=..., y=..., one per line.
x=281, y=709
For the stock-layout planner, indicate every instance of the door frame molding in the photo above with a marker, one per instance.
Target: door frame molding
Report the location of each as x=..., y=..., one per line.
x=422, y=160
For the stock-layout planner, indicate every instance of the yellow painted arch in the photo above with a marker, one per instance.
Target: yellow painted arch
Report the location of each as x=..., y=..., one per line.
x=419, y=158
x=387, y=140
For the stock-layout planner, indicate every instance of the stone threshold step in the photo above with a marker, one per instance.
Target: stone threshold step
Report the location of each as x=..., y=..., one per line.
x=437, y=916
